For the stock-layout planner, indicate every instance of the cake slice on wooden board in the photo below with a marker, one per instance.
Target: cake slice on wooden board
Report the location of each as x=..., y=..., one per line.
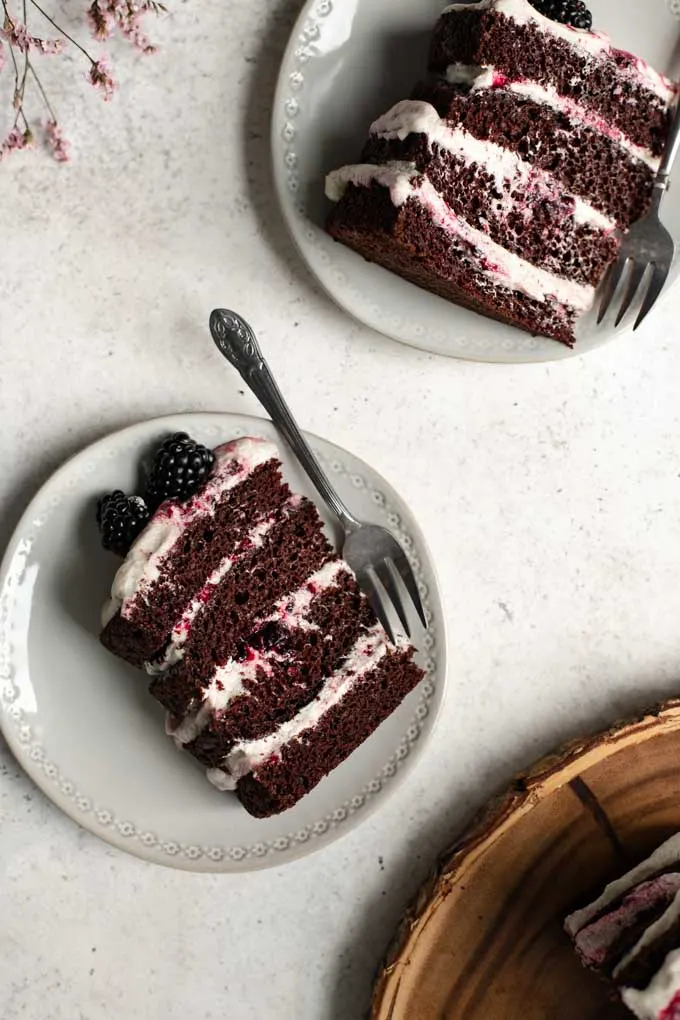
x=265, y=653
x=505, y=186
x=631, y=935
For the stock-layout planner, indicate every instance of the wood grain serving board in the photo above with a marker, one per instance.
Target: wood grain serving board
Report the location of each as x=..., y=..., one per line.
x=484, y=939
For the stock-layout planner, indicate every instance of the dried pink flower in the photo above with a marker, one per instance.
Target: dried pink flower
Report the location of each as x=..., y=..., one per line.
x=2, y=55
x=50, y=46
x=100, y=76
x=127, y=16
x=100, y=20
x=16, y=139
x=56, y=142
x=16, y=34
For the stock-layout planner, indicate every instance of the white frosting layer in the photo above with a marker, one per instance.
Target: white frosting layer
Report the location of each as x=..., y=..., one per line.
x=141, y=568
x=488, y=77
x=229, y=680
x=501, y=267
x=651, y=934
x=249, y=754
x=665, y=856
x=292, y=610
x=508, y=169
x=652, y=1002
x=595, y=44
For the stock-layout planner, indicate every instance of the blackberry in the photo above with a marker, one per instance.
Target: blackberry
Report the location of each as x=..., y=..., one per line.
x=567, y=12
x=179, y=469
x=120, y=519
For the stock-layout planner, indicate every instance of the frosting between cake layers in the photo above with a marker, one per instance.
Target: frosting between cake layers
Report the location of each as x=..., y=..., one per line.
x=249, y=754
x=595, y=44
x=496, y=263
x=174, y=650
x=229, y=680
x=417, y=117
x=663, y=992
x=487, y=77
x=663, y=857
x=594, y=941
x=234, y=461
x=291, y=610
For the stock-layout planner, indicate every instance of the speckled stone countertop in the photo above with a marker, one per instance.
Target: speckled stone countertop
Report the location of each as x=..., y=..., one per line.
x=549, y=495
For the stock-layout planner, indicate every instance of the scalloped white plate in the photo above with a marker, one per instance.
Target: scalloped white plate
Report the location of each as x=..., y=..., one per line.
x=347, y=62
x=82, y=722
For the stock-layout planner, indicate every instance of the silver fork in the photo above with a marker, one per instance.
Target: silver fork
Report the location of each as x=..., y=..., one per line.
x=647, y=245
x=373, y=553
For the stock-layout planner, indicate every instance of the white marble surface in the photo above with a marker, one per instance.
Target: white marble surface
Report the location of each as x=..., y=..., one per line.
x=550, y=496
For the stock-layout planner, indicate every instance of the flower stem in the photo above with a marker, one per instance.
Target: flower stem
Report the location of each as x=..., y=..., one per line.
x=60, y=30
x=22, y=87
x=48, y=104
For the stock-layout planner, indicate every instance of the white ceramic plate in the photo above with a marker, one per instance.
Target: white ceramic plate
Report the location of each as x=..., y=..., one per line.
x=347, y=62
x=82, y=722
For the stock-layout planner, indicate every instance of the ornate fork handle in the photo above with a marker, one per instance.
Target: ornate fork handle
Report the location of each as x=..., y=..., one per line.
x=236, y=341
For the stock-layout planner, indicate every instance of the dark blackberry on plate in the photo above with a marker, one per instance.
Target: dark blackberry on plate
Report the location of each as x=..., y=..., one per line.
x=180, y=467
x=120, y=520
x=566, y=12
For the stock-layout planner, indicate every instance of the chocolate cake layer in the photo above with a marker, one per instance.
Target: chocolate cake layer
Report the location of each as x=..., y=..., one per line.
x=604, y=942
x=292, y=550
x=604, y=82
x=542, y=222
x=204, y=542
x=406, y=240
x=279, y=782
x=587, y=162
x=295, y=662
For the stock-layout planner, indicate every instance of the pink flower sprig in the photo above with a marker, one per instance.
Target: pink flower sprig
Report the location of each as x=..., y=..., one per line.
x=105, y=17
x=56, y=142
x=16, y=33
x=100, y=77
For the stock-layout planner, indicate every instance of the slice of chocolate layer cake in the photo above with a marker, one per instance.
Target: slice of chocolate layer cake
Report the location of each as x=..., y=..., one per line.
x=631, y=935
x=506, y=186
x=262, y=648
x=186, y=545
x=577, y=72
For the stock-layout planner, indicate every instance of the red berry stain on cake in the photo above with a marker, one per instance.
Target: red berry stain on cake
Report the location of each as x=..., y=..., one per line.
x=672, y=1011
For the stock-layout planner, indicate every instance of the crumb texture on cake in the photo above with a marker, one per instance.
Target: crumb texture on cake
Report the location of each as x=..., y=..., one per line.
x=255, y=636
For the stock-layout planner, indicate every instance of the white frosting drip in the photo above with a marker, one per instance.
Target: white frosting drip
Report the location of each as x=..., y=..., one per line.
x=653, y=932
x=502, y=267
x=595, y=44
x=665, y=856
x=398, y=174
x=174, y=650
x=506, y=167
x=227, y=682
x=651, y=1003
x=221, y=780
x=366, y=654
x=141, y=568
